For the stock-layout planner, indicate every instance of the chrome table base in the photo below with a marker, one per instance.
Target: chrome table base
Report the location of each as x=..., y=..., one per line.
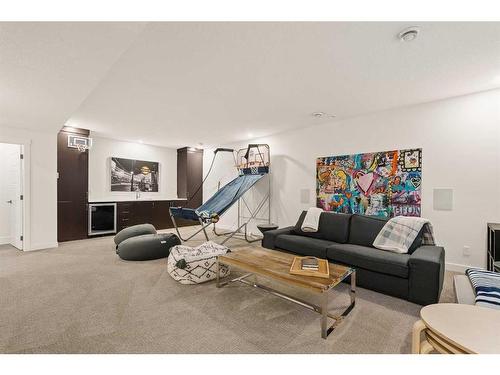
x=323, y=309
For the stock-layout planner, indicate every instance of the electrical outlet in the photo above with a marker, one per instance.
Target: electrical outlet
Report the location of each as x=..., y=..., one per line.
x=466, y=251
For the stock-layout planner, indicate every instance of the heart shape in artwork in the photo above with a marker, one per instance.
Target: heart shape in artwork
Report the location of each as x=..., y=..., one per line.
x=416, y=181
x=365, y=181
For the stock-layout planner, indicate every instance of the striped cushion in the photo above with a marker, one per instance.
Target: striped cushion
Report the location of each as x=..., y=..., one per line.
x=486, y=286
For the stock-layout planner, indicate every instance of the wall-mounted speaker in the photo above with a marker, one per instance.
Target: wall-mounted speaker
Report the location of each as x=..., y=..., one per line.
x=443, y=199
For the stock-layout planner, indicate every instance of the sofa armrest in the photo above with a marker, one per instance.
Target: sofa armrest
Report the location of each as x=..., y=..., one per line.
x=270, y=236
x=426, y=266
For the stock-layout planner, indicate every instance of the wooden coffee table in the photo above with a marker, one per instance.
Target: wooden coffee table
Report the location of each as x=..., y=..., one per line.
x=275, y=265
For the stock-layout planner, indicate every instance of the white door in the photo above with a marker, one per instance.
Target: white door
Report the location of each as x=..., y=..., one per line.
x=11, y=209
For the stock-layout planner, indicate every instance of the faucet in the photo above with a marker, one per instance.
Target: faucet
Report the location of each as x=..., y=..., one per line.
x=137, y=194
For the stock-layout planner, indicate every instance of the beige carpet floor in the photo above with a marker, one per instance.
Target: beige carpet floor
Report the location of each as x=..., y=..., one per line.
x=81, y=298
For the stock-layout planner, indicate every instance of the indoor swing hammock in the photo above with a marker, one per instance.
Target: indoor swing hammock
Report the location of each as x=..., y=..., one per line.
x=252, y=167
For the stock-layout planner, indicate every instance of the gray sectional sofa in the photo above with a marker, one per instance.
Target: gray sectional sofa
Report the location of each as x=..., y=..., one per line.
x=348, y=239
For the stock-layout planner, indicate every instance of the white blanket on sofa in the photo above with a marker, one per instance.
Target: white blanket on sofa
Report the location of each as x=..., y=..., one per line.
x=398, y=234
x=311, y=221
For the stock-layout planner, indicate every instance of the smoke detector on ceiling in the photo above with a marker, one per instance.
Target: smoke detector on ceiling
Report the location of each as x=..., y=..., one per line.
x=409, y=34
x=321, y=115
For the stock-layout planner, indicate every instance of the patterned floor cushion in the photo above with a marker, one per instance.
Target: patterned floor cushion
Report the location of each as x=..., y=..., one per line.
x=196, y=265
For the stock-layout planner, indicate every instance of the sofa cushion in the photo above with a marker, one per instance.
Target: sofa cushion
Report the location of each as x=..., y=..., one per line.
x=303, y=245
x=364, y=229
x=332, y=227
x=370, y=259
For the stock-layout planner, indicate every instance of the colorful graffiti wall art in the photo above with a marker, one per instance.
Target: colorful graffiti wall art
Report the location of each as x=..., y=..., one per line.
x=384, y=183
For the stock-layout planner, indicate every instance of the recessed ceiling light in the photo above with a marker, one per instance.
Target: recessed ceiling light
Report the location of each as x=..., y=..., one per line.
x=140, y=141
x=250, y=135
x=409, y=34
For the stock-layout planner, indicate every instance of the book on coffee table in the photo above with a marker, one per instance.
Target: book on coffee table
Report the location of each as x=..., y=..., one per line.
x=309, y=263
x=301, y=266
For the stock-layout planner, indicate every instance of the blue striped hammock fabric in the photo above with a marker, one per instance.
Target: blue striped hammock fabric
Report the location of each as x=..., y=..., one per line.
x=221, y=201
x=486, y=286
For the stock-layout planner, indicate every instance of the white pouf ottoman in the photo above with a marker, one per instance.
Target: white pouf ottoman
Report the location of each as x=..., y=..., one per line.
x=196, y=265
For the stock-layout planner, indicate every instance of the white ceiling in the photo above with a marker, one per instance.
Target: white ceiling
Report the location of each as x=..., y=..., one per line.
x=177, y=84
x=48, y=69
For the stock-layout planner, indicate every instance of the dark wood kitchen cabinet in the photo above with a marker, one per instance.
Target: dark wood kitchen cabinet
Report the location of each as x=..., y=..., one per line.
x=72, y=187
x=153, y=212
x=190, y=176
x=160, y=214
x=124, y=217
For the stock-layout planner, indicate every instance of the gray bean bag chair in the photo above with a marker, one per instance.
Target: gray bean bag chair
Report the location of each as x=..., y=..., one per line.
x=134, y=231
x=147, y=246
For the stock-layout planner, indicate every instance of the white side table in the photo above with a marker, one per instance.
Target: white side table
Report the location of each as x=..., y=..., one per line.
x=457, y=329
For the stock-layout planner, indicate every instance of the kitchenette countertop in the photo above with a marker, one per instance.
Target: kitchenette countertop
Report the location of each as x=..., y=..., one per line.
x=128, y=199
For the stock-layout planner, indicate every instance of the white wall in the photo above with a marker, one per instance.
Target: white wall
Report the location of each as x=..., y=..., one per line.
x=41, y=203
x=99, y=168
x=460, y=138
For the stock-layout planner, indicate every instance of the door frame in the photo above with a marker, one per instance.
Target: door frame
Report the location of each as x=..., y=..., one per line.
x=25, y=144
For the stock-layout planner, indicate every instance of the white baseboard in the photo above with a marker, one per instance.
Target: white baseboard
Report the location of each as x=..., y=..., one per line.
x=42, y=246
x=231, y=228
x=226, y=227
x=4, y=240
x=455, y=267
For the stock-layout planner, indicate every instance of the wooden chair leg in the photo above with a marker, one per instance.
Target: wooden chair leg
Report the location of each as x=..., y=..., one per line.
x=426, y=347
x=416, y=342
